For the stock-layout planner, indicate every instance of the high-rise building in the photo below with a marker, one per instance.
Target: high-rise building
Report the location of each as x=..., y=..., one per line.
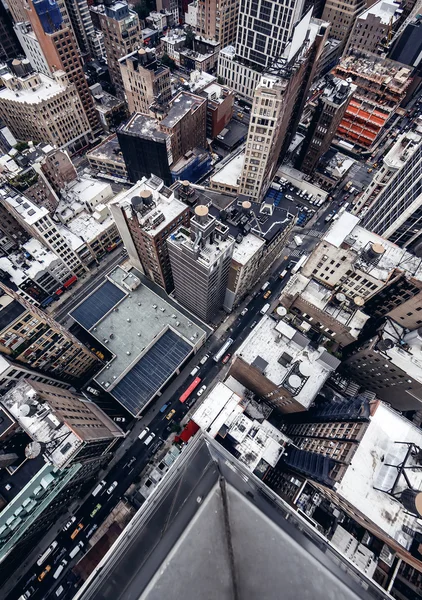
x=60, y=50
x=342, y=16
x=37, y=222
x=392, y=204
x=200, y=259
x=122, y=35
x=146, y=149
x=389, y=364
x=12, y=234
x=29, y=337
x=36, y=107
x=9, y=45
x=382, y=85
x=145, y=80
x=278, y=103
x=217, y=20
x=32, y=48
x=151, y=146
x=261, y=36
x=59, y=443
x=373, y=26
x=331, y=106
x=83, y=27
x=146, y=215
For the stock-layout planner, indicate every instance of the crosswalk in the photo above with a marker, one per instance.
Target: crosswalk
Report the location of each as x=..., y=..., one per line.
x=315, y=233
x=296, y=253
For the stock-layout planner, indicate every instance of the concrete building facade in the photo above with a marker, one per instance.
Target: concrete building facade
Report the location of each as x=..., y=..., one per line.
x=373, y=26
x=122, y=35
x=342, y=16
x=145, y=81
x=217, y=20
x=200, y=259
x=36, y=107
x=146, y=216
x=331, y=106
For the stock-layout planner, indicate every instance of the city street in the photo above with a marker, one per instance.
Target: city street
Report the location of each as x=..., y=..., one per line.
x=132, y=456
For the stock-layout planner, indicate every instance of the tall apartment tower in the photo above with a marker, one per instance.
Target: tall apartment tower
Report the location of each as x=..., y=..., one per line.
x=200, y=259
x=217, y=20
x=146, y=215
x=395, y=212
x=47, y=109
x=328, y=114
x=122, y=35
x=145, y=81
x=9, y=45
x=83, y=27
x=373, y=26
x=278, y=103
x=60, y=50
x=58, y=169
x=261, y=38
x=30, y=337
x=342, y=16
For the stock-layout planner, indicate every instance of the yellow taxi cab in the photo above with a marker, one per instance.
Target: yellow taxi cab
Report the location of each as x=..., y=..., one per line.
x=170, y=415
x=77, y=530
x=267, y=294
x=44, y=573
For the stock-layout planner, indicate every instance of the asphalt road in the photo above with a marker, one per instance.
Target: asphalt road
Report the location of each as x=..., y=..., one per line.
x=135, y=459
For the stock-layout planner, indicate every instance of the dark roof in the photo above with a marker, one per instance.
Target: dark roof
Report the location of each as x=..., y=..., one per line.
x=5, y=421
x=213, y=530
x=147, y=376
x=10, y=313
x=97, y=305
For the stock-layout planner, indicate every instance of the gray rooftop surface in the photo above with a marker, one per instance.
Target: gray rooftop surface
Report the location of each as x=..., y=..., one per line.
x=182, y=104
x=144, y=126
x=208, y=531
x=132, y=326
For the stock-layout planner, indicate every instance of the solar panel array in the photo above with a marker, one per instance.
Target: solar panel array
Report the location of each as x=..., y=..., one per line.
x=151, y=371
x=97, y=305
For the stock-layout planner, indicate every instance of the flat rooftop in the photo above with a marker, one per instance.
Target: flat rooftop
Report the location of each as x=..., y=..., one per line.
x=208, y=253
x=154, y=216
x=107, y=150
x=88, y=227
x=26, y=208
x=368, y=470
x=247, y=248
x=402, y=150
x=235, y=133
x=145, y=127
x=46, y=90
x=230, y=173
x=181, y=106
x=270, y=339
x=386, y=11
x=149, y=335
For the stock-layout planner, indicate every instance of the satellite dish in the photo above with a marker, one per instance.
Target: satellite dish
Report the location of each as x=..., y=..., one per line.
x=281, y=311
x=27, y=410
x=33, y=450
x=294, y=381
x=305, y=369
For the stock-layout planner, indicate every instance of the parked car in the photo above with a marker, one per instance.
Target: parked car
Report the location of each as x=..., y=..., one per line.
x=201, y=390
x=93, y=391
x=69, y=523
x=226, y=359
x=244, y=311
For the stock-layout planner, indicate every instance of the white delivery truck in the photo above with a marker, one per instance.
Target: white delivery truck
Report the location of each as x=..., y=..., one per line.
x=264, y=287
x=297, y=240
x=264, y=309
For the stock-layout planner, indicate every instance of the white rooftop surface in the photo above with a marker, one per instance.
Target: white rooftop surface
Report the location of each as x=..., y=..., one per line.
x=229, y=51
x=255, y=440
x=208, y=253
x=7, y=163
x=27, y=209
x=340, y=229
x=71, y=238
x=403, y=149
x=88, y=227
x=384, y=10
x=269, y=340
x=85, y=189
x=214, y=89
x=47, y=89
x=368, y=469
x=410, y=362
x=170, y=207
x=125, y=344
x=247, y=248
x=218, y=406
x=17, y=276
x=230, y=173
x=200, y=80
x=43, y=426
x=393, y=257
x=39, y=252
